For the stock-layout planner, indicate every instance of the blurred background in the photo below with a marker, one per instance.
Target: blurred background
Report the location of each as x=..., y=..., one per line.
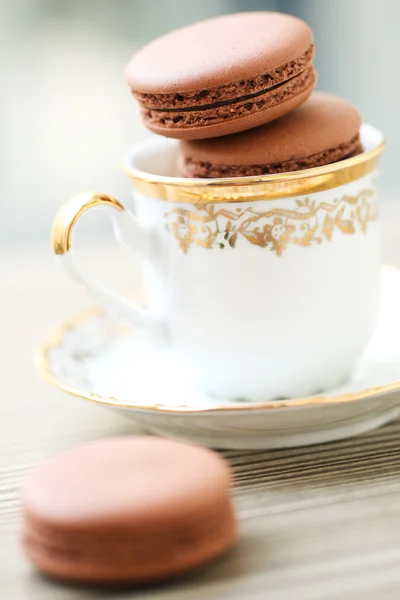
x=67, y=115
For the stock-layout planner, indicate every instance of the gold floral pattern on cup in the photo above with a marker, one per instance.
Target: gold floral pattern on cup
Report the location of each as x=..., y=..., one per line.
x=308, y=222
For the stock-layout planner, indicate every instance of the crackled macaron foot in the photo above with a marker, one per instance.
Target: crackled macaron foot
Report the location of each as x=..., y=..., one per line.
x=325, y=129
x=223, y=75
x=127, y=510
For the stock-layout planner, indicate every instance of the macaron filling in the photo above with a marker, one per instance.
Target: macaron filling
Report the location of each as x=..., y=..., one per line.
x=231, y=101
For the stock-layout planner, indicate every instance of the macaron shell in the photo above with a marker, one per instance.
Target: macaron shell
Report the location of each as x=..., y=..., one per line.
x=236, y=125
x=323, y=122
x=127, y=509
x=218, y=51
x=103, y=483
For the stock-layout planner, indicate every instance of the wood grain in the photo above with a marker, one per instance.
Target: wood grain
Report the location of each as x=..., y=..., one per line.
x=315, y=523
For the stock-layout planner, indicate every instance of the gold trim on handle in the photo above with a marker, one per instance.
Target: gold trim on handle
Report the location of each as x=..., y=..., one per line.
x=70, y=213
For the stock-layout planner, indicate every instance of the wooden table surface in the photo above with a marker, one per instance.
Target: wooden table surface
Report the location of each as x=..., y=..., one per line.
x=315, y=523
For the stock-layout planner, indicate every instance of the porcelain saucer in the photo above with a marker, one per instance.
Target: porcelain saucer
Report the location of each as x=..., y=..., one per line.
x=93, y=358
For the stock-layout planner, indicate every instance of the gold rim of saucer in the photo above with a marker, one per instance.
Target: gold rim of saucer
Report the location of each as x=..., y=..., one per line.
x=56, y=336
x=249, y=189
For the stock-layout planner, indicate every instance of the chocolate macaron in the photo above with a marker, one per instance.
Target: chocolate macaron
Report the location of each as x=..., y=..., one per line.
x=223, y=75
x=325, y=129
x=127, y=510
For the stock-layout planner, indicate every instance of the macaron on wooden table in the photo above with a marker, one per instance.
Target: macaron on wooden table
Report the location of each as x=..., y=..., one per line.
x=127, y=510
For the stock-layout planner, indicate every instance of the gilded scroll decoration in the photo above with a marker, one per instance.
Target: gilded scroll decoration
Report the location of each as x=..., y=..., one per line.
x=308, y=222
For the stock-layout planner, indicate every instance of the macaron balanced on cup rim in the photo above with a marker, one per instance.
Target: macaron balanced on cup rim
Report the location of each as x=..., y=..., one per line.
x=324, y=130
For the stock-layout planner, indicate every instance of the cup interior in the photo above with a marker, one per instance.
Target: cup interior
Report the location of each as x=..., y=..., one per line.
x=157, y=156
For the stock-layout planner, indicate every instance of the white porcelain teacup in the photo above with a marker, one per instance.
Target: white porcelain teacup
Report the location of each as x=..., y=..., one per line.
x=267, y=286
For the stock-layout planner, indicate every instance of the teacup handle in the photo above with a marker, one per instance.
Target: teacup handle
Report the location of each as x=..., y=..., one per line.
x=127, y=231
